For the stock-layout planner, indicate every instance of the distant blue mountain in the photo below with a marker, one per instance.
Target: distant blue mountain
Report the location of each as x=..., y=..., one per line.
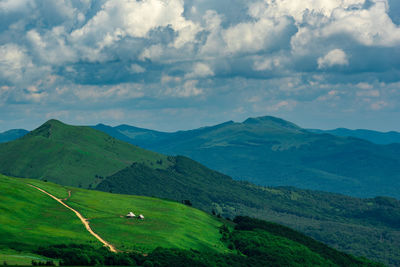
x=275, y=152
x=381, y=138
x=12, y=135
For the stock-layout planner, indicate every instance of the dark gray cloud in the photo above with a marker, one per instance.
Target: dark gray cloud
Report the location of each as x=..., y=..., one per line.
x=199, y=62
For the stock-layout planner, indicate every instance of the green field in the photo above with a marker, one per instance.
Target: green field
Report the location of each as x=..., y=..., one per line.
x=30, y=218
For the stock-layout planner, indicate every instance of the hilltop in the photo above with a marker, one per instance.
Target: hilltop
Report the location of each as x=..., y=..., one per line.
x=71, y=155
x=170, y=234
x=274, y=152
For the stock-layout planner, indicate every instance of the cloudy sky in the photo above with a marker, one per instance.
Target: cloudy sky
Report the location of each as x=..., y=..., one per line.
x=181, y=64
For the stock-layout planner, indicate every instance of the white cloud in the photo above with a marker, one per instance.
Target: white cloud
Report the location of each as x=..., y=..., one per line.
x=200, y=70
x=297, y=9
x=13, y=60
x=52, y=47
x=16, y=5
x=267, y=63
x=135, y=68
x=115, y=92
x=254, y=36
x=214, y=42
x=335, y=57
x=370, y=27
x=188, y=89
x=153, y=52
x=130, y=18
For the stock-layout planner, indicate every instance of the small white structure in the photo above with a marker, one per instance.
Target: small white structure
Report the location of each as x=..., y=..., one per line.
x=141, y=217
x=130, y=215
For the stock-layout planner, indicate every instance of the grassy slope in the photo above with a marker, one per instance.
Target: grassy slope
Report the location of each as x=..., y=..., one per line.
x=365, y=227
x=30, y=218
x=70, y=155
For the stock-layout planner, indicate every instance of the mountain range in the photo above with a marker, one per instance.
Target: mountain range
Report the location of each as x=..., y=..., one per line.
x=382, y=138
x=85, y=157
x=274, y=152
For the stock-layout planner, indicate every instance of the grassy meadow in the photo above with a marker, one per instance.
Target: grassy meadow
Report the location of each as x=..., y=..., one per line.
x=29, y=219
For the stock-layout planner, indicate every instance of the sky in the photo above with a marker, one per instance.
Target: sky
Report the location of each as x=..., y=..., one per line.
x=174, y=64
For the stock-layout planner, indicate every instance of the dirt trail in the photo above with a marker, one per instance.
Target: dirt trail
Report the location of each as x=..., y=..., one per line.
x=83, y=219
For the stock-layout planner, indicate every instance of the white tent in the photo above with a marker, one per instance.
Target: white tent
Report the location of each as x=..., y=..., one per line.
x=141, y=217
x=130, y=215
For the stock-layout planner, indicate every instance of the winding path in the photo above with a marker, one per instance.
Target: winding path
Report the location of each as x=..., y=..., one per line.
x=83, y=219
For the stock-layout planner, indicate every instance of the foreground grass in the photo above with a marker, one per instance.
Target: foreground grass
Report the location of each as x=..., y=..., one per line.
x=29, y=219
x=32, y=219
x=167, y=223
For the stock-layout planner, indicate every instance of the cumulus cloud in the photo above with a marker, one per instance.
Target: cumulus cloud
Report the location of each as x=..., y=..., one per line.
x=280, y=54
x=187, y=89
x=336, y=57
x=13, y=61
x=135, y=68
x=200, y=70
x=16, y=5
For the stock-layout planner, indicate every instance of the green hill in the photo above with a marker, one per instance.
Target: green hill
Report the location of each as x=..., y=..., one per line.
x=171, y=234
x=54, y=152
x=274, y=152
x=70, y=155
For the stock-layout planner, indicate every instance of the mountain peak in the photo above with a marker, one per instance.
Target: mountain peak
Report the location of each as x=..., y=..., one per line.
x=53, y=122
x=273, y=121
x=46, y=129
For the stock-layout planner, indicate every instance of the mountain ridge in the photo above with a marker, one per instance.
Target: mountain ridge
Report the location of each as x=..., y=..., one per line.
x=272, y=151
x=376, y=137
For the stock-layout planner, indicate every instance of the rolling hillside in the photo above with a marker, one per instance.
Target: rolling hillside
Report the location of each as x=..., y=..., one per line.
x=382, y=138
x=274, y=152
x=71, y=155
x=362, y=227
x=51, y=229
x=30, y=219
